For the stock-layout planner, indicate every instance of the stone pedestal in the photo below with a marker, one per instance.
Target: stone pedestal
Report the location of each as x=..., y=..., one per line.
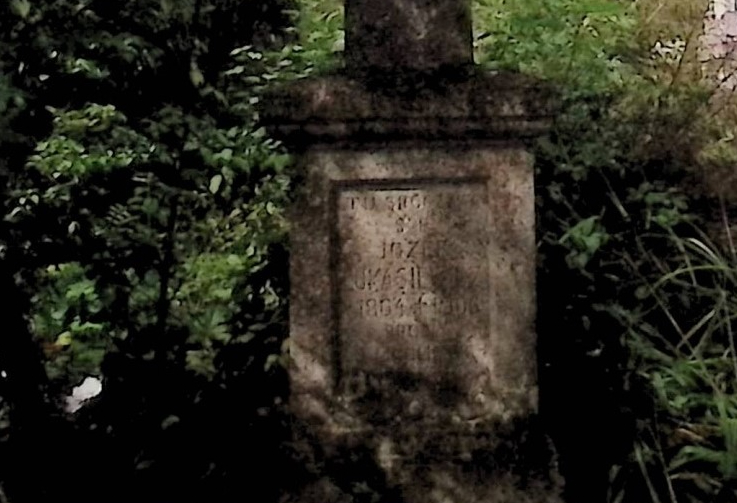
x=412, y=341
x=413, y=294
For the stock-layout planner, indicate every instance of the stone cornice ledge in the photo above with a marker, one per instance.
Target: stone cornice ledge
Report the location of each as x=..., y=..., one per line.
x=415, y=106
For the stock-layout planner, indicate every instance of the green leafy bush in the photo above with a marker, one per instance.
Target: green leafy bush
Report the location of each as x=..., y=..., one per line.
x=625, y=208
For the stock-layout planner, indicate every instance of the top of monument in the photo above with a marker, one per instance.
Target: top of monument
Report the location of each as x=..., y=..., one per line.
x=406, y=35
x=337, y=107
x=409, y=74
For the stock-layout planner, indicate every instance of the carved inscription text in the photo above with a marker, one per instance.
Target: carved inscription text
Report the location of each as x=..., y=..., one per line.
x=413, y=275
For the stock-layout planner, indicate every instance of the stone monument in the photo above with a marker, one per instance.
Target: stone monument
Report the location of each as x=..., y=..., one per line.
x=412, y=337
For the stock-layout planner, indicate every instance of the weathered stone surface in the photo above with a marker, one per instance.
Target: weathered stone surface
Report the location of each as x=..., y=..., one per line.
x=413, y=277
x=412, y=315
x=412, y=341
x=495, y=461
x=444, y=328
x=415, y=106
x=401, y=35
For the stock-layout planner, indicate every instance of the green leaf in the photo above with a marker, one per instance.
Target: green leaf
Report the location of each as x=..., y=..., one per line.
x=215, y=182
x=195, y=74
x=169, y=421
x=21, y=8
x=64, y=339
x=271, y=361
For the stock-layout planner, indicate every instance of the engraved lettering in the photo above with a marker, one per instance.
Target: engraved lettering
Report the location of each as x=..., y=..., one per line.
x=386, y=307
x=412, y=246
x=362, y=202
x=403, y=224
x=413, y=268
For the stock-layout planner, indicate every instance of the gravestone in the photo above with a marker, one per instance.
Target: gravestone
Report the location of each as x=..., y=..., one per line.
x=412, y=342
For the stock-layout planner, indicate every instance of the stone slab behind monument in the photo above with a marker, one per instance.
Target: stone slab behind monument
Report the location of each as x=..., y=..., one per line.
x=413, y=263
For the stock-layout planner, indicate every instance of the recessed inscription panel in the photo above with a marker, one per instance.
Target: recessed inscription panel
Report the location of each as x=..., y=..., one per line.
x=412, y=277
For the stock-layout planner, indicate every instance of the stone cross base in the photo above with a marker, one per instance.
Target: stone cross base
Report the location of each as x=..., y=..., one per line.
x=480, y=463
x=413, y=290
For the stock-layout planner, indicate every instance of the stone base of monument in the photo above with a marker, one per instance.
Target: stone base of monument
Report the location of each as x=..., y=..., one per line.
x=467, y=463
x=412, y=325
x=412, y=342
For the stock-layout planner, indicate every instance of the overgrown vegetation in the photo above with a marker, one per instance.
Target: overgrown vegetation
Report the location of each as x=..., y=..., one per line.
x=143, y=242
x=634, y=283
x=144, y=230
